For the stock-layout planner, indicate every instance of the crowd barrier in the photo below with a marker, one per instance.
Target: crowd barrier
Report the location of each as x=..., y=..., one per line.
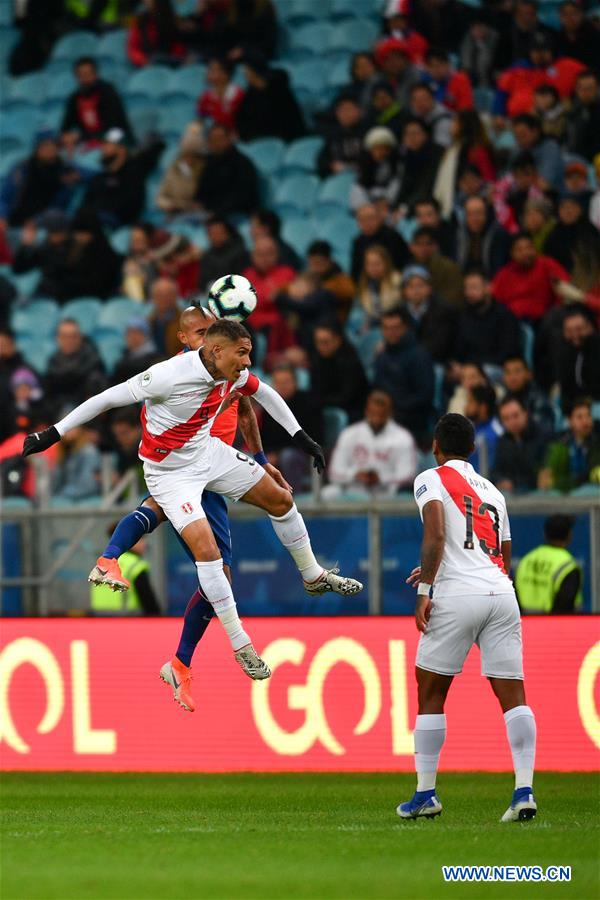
x=86, y=695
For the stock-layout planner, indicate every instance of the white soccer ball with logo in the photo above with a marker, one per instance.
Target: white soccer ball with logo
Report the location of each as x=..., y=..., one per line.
x=232, y=297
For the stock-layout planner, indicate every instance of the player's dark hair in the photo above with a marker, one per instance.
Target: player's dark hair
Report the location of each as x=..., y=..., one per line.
x=85, y=61
x=455, y=435
x=229, y=329
x=558, y=527
x=484, y=393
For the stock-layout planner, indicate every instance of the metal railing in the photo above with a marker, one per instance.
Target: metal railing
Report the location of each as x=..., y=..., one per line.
x=40, y=575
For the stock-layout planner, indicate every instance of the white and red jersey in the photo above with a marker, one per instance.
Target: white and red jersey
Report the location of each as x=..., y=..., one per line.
x=181, y=402
x=476, y=523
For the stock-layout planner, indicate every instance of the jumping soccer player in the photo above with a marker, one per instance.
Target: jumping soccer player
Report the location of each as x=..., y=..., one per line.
x=182, y=397
x=193, y=325
x=465, y=597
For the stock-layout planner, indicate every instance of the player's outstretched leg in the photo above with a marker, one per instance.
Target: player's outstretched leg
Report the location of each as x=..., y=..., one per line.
x=177, y=672
x=217, y=590
x=289, y=527
x=127, y=533
x=430, y=734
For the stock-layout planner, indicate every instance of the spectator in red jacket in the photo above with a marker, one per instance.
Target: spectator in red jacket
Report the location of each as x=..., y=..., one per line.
x=220, y=101
x=449, y=87
x=516, y=85
x=153, y=35
x=526, y=284
x=269, y=276
x=396, y=18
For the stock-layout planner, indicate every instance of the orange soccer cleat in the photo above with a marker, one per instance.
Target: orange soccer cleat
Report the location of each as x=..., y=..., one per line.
x=180, y=678
x=108, y=571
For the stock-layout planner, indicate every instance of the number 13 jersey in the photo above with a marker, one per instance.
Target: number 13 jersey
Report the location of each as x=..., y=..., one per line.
x=476, y=523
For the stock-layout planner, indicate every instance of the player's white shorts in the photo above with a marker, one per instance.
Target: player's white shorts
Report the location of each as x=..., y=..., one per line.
x=492, y=621
x=222, y=469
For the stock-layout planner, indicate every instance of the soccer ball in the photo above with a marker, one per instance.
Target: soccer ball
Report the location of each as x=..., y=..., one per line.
x=232, y=297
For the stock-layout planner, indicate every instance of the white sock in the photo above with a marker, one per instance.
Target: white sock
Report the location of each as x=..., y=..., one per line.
x=430, y=734
x=291, y=531
x=521, y=731
x=217, y=591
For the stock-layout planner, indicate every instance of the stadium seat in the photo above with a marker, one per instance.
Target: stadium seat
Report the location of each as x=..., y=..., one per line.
x=119, y=239
x=75, y=44
x=37, y=318
x=303, y=379
x=296, y=192
x=299, y=12
x=36, y=352
x=353, y=35
x=143, y=120
x=299, y=232
x=265, y=153
x=60, y=87
x=174, y=117
x=116, y=313
x=336, y=189
x=315, y=37
x=335, y=228
x=259, y=349
x=13, y=144
x=189, y=80
x=112, y=46
x=85, y=311
x=31, y=88
x=366, y=346
x=342, y=9
x=596, y=411
x=22, y=122
x=110, y=348
x=26, y=283
x=334, y=422
x=310, y=77
x=527, y=342
x=301, y=155
x=152, y=81
x=339, y=74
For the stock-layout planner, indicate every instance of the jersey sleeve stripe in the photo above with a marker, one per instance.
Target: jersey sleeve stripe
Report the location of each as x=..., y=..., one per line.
x=251, y=386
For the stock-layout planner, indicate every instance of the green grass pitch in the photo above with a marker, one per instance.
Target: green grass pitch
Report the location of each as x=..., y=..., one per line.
x=283, y=836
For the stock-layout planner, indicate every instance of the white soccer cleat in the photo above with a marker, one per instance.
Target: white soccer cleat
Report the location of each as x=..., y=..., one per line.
x=522, y=808
x=331, y=581
x=254, y=667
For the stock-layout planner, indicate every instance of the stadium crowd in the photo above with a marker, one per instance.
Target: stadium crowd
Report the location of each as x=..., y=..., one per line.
x=453, y=265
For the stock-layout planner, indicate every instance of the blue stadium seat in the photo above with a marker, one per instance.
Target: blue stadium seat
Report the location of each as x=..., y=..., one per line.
x=112, y=46
x=85, y=311
x=36, y=352
x=527, y=342
x=31, y=88
x=301, y=12
x=174, y=117
x=259, y=349
x=110, y=348
x=38, y=318
x=60, y=87
x=10, y=158
x=152, y=81
x=335, y=228
x=299, y=232
x=367, y=345
x=75, y=44
x=596, y=411
x=13, y=143
x=336, y=189
x=119, y=239
x=297, y=192
x=352, y=36
x=303, y=379
x=189, y=80
x=116, y=313
x=265, y=153
x=407, y=228
x=339, y=74
x=342, y=9
x=301, y=155
x=315, y=37
x=22, y=122
x=26, y=283
x=309, y=76
x=144, y=119
x=334, y=422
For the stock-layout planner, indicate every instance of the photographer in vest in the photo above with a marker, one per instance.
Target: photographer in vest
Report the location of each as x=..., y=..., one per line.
x=549, y=578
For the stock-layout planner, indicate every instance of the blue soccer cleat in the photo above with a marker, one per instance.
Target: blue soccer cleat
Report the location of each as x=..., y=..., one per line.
x=522, y=806
x=424, y=803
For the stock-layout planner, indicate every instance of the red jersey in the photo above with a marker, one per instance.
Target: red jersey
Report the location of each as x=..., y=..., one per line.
x=221, y=110
x=225, y=425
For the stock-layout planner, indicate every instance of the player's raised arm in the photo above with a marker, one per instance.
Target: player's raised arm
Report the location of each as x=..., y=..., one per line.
x=276, y=406
x=146, y=385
